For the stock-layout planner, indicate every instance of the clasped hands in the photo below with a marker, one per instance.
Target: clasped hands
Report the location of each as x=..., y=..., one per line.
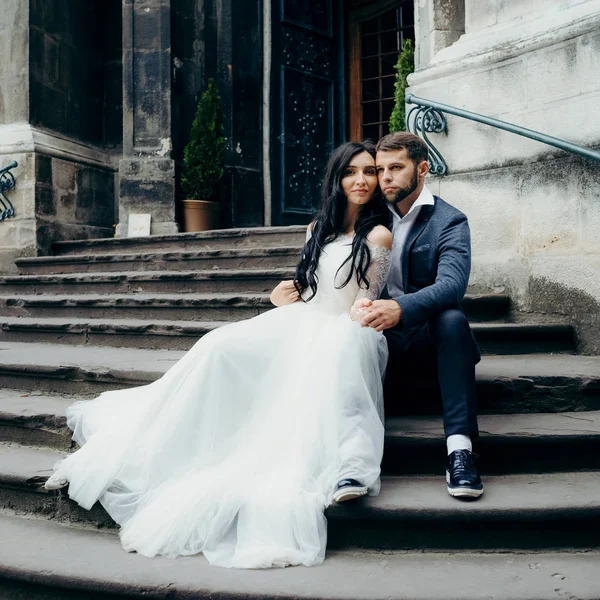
x=377, y=314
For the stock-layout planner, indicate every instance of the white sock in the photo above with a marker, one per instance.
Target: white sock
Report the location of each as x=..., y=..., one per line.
x=458, y=442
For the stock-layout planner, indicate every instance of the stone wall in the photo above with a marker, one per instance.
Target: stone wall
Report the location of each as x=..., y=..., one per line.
x=72, y=201
x=66, y=58
x=57, y=115
x=534, y=210
x=17, y=234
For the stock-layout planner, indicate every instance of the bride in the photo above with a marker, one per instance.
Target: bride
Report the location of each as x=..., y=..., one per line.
x=237, y=450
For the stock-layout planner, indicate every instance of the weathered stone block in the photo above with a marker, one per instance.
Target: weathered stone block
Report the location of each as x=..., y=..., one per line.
x=27, y=234
x=490, y=199
x=479, y=15
x=145, y=32
x=64, y=175
x=550, y=209
x=14, y=100
x=588, y=52
x=589, y=184
x=43, y=169
x=44, y=201
x=10, y=234
x=14, y=13
x=552, y=74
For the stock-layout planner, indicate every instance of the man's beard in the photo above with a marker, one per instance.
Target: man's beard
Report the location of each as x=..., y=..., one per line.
x=405, y=192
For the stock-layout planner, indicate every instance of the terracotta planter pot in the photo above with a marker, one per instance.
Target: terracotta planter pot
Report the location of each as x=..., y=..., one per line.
x=200, y=215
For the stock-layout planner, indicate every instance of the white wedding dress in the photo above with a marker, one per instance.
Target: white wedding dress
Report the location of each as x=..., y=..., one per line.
x=236, y=451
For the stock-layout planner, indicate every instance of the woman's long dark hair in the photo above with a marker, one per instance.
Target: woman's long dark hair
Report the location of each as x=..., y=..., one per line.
x=329, y=221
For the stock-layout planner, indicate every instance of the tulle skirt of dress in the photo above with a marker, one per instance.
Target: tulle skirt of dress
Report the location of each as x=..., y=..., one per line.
x=235, y=452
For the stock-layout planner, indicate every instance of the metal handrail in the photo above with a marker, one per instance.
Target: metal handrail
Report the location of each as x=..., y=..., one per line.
x=427, y=116
x=7, y=182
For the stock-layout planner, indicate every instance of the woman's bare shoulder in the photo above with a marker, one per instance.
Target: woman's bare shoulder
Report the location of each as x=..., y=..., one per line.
x=380, y=236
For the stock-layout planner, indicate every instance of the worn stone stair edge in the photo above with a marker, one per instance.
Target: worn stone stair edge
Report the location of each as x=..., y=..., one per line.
x=186, y=327
x=199, y=235
x=151, y=275
x=48, y=411
x=167, y=255
x=191, y=299
x=404, y=498
x=147, y=299
x=68, y=559
x=523, y=370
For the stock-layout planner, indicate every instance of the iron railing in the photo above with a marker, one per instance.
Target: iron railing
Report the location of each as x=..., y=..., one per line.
x=7, y=182
x=427, y=116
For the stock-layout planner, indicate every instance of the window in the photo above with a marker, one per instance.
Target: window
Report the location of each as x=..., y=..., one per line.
x=375, y=40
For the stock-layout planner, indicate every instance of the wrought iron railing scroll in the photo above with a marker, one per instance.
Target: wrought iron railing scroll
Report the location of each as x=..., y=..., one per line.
x=427, y=116
x=7, y=182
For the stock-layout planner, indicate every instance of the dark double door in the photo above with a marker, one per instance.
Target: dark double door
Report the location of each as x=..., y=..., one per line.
x=308, y=115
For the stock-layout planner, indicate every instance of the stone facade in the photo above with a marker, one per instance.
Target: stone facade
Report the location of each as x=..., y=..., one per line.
x=533, y=210
x=59, y=119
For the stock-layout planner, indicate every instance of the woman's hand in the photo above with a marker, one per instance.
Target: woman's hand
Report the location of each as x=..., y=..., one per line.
x=285, y=293
x=358, y=309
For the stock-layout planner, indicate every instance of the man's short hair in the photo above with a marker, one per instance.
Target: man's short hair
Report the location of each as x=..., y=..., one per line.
x=415, y=147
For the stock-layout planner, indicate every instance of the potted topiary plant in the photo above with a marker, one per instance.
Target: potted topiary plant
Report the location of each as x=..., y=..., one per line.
x=204, y=163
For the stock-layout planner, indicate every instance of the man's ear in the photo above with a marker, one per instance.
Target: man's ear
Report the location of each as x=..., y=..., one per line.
x=423, y=168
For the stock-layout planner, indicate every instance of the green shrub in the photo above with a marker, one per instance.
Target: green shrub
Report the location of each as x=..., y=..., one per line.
x=204, y=155
x=404, y=67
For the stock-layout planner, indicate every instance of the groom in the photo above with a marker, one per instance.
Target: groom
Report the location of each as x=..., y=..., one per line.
x=420, y=310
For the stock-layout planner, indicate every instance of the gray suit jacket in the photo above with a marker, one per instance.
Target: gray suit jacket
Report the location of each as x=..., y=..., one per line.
x=436, y=263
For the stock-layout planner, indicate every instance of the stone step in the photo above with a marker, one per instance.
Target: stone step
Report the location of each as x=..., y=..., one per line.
x=508, y=444
x=224, y=258
x=506, y=384
x=41, y=560
x=221, y=280
x=521, y=512
x=260, y=237
x=191, y=307
x=35, y=419
x=493, y=338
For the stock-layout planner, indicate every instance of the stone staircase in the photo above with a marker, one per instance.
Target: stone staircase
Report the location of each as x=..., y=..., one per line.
x=106, y=314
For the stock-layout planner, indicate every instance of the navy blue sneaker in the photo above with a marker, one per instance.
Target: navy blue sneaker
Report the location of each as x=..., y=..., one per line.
x=348, y=489
x=461, y=475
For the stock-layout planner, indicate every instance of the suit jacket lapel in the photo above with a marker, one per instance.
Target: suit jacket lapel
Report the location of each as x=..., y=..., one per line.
x=416, y=230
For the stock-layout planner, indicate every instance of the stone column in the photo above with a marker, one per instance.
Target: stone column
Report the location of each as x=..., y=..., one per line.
x=438, y=24
x=147, y=171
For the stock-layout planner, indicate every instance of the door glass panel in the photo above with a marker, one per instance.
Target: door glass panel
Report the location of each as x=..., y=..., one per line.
x=371, y=112
x=389, y=20
x=386, y=109
x=369, y=26
x=388, y=62
x=389, y=41
x=370, y=67
x=370, y=132
x=369, y=45
x=370, y=89
x=387, y=87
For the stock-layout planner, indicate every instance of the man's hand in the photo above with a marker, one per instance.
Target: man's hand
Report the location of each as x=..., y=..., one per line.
x=358, y=309
x=381, y=314
x=285, y=293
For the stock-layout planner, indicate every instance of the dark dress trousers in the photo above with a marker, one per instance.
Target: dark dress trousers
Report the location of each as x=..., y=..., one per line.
x=434, y=334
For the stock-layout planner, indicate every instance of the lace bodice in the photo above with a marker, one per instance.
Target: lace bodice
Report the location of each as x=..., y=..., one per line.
x=329, y=295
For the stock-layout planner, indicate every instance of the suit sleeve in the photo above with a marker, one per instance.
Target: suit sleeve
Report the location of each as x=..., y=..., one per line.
x=453, y=270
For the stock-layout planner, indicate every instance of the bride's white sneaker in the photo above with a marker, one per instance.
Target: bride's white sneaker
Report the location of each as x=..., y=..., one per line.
x=56, y=482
